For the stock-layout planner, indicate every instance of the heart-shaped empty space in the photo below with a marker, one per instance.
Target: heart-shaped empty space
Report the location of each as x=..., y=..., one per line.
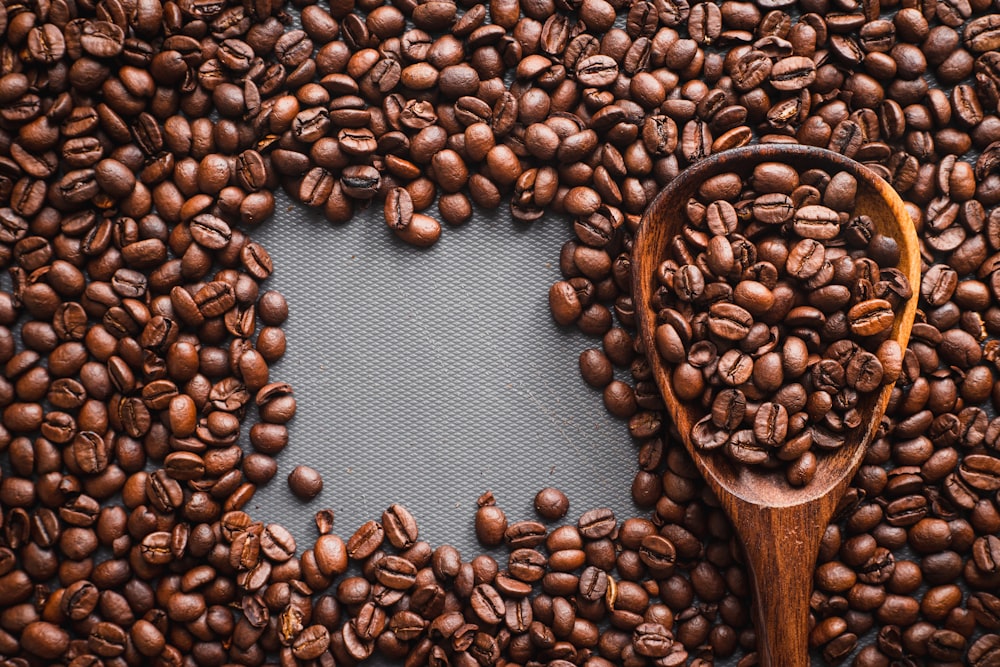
x=427, y=377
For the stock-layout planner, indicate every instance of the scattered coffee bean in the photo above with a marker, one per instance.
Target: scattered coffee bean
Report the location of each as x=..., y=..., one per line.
x=305, y=482
x=491, y=522
x=551, y=504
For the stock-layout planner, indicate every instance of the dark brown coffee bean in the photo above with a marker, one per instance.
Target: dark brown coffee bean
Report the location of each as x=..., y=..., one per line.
x=365, y=540
x=652, y=640
x=596, y=71
x=793, y=73
x=400, y=526
x=330, y=555
x=816, y=222
x=564, y=303
x=729, y=321
x=395, y=572
x=981, y=34
x=305, y=482
x=551, y=504
x=525, y=534
x=491, y=522
x=597, y=523
x=871, y=317
x=45, y=640
x=311, y=643
x=805, y=259
x=423, y=231
x=487, y=604
x=398, y=208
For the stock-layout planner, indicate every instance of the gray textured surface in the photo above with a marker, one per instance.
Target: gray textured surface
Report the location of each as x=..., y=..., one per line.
x=427, y=377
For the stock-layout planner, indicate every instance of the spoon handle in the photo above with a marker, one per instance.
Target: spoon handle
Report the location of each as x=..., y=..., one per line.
x=782, y=544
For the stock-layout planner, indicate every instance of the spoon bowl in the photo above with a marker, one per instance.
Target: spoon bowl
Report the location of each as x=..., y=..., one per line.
x=780, y=526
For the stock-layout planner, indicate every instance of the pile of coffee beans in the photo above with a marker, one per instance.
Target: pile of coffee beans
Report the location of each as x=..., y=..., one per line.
x=908, y=89
x=776, y=306
x=551, y=601
x=140, y=142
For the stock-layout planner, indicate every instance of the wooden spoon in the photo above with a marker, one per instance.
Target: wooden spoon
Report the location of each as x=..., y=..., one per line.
x=780, y=526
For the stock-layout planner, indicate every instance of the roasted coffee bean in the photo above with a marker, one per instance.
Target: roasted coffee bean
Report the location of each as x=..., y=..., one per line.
x=365, y=540
x=398, y=208
x=487, y=604
x=400, y=526
x=598, y=523
x=729, y=321
x=551, y=504
x=491, y=522
x=525, y=534
x=330, y=555
x=305, y=482
x=395, y=572
x=311, y=643
x=870, y=317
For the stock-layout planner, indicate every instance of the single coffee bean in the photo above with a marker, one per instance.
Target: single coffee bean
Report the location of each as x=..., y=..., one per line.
x=598, y=523
x=365, y=540
x=398, y=208
x=491, y=522
x=551, y=504
x=400, y=526
x=487, y=604
x=305, y=482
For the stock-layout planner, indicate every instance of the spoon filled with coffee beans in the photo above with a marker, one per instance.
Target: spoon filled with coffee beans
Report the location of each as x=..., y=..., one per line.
x=775, y=288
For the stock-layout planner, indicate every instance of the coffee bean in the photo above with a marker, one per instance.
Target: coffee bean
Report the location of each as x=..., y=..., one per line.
x=491, y=522
x=311, y=643
x=816, y=222
x=793, y=73
x=400, y=526
x=805, y=259
x=305, y=482
x=595, y=368
x=423, y=231
x=597, y=71
x=45, y=640
x=564, y=303
x=398, y=208
x=597, y=523
x=487, y=604
x=652, y=640
x=395, y=572
x=870, y=317
x=729, y=321
x=365, y=540
x=980, y=34
x=330, y=554
x=551, y=504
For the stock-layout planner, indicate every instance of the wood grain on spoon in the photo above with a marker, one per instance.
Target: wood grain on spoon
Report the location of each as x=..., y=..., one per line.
x=780, y=526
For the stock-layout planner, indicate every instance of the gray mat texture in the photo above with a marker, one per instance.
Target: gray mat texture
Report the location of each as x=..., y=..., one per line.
x=427, y=377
